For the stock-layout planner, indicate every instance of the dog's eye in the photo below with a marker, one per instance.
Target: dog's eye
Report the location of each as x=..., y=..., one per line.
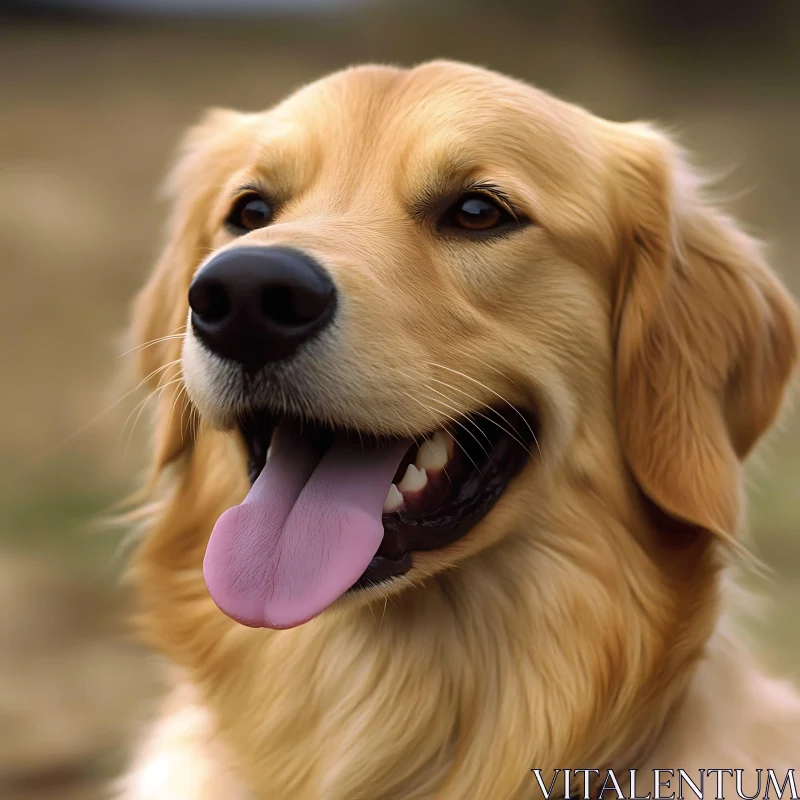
x=249, y=213
x=476, y=212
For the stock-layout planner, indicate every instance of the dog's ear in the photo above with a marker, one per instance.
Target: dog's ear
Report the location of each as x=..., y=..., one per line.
x=706, y=337
x=161, y=308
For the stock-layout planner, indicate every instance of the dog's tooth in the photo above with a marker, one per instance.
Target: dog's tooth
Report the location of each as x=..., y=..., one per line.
x=449, y=441
x=393, y=501
x=433, y=454
x=414, y=480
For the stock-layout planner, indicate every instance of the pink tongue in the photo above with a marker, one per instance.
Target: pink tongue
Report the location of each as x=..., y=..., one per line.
x=304, y=534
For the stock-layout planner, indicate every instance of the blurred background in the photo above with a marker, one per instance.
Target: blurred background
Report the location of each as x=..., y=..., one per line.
x=93, y=98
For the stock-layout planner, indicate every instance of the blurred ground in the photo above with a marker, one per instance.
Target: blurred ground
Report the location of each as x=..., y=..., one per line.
x=89, y=115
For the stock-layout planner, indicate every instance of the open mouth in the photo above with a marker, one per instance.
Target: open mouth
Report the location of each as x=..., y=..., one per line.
x=333, y=510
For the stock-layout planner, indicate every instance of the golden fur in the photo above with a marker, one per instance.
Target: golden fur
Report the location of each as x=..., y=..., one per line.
x=583, y=622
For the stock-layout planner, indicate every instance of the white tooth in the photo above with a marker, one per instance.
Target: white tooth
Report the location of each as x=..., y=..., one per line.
x=433, y=453
x=414, y=479
x=393, y=501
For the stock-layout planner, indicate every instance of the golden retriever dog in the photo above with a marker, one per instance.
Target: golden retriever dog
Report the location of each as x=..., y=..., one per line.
x=456, y=381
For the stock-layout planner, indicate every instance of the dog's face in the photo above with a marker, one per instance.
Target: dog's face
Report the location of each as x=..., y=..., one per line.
x=439, y=297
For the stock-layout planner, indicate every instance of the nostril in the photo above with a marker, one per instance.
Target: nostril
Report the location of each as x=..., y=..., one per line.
x=209, y=301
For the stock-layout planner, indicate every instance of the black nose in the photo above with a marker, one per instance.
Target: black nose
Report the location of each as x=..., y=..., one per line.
x=259, y=304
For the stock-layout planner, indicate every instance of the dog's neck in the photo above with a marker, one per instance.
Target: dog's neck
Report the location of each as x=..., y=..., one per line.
x=453, y=679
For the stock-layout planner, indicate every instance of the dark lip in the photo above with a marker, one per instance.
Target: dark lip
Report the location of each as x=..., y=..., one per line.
x=496, y=445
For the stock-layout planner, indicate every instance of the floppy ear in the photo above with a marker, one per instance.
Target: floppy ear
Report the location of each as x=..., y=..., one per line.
x=706, y=338
x=160, y=310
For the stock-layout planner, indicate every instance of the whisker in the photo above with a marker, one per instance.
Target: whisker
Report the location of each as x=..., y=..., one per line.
x=473, y=357
x=465, y=418
x=186, y=411
x=496, y=394
x=163, y=370
x=194, y=415
x=372, y=614
x=175, y=402
x=141, y=403
x=455, y=421
x=383, y=615
x=152, y=343
x=171, y=333
x=61, y=445
x=458, y=411
x=444, y=469
x=141, y=406
x=159, y=390
x=447, y=416
x=196, y=423
x=508, y=431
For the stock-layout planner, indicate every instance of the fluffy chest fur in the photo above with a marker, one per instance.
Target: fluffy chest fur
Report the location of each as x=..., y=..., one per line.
x=462, y=687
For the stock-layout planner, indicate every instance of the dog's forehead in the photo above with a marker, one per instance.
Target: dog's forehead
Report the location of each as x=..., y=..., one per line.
x=434, y=116
x=373, y=137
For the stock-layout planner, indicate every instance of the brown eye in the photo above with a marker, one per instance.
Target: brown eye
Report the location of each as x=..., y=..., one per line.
x=477, y=213
x=249, y=213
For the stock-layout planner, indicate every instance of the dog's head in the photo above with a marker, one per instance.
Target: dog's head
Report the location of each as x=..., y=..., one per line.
x=429, y=302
